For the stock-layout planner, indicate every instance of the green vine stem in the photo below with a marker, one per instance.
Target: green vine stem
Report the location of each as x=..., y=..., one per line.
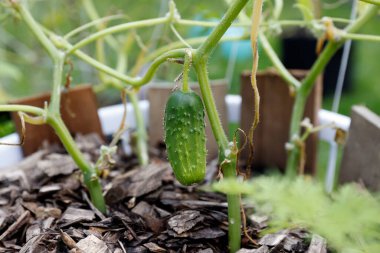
x=55, y=100
x=187, y=22
x=93, y=14
x=53, y=116
x=233, y=200
x=362, y=37
x=228, y=163
x=22, y=108
x=209, y=102
x=227, y=158
x=186, y=69
x=93, y=23
x=207, y=47
x=141, y=134
x=285, y=74
x=376, y=2
x=90, y=176
x=192, y=42
x=308, y=83
x=128, y=80
x=118, y=28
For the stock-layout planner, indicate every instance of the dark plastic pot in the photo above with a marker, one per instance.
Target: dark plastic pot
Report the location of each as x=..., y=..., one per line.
x=299, y=52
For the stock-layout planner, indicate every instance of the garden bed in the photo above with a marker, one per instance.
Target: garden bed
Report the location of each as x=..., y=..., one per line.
x=44, y=208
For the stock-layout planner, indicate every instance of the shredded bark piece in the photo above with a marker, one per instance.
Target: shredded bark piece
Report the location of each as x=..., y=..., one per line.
x=93, y=244
x=273, y=239
x=185, y=221
x=317, y=245
x=15, y=226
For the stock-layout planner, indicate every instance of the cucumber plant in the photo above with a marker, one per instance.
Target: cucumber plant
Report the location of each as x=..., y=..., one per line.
x=59, y=48
x=194, y=53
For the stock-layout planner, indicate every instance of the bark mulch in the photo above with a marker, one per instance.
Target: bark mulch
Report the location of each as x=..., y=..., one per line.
x=45, y=208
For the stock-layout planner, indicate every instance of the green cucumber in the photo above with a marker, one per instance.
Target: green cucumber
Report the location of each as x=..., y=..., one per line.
x=185, y=136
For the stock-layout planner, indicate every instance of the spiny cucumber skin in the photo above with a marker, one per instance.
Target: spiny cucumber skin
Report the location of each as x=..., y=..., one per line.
x=185, y=136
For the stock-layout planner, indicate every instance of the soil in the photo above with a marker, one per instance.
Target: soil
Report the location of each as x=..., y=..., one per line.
x=44, y=208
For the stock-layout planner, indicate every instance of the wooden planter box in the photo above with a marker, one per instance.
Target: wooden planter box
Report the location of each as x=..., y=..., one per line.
x=79, y=112
x=158, y=95
x=276, y=105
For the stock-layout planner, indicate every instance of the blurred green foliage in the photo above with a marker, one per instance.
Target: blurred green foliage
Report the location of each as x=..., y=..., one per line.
x=25, y=69
x=20, y=49
x=348, y=218
x=6, y=126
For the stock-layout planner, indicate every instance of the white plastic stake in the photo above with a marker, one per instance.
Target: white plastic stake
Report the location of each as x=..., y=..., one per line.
x=331, y=169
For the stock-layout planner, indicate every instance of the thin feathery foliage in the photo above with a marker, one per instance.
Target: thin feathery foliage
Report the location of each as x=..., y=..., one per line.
x=348, y=218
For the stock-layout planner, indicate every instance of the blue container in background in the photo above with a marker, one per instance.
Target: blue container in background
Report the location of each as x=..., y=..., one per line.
x=244, y=51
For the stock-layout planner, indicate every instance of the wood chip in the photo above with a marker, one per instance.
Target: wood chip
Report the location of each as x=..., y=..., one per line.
x=91, y=205
x=161, y=212
x=208, y=250
x=50, y=188
x=259, y=222
x=47, y=223
x=204, y=233
x=272, y=239
x=119, y=251
x=15, y=226
x=262, y=249
x=88, y=143
x=32, y=231
x=67, y=240
x=155, y=214
x=3, y=201
x=154, y=247
x=30, y=162
x=199, y=203
x=139, y=249
x=31, y=245
x=75, y=214
x=92, y=244
x=292, y=243
x=149, y=215
x=28, y=169
x=137, y=182
x=57, y=164
x=317, y=245
x=3, y=219
x=246, y=251
x=45, y=212
x=185, y=221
